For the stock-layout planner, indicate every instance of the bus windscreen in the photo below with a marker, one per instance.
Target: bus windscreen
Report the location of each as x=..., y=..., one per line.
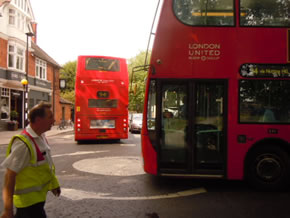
x=103, y=103
x=103, y=64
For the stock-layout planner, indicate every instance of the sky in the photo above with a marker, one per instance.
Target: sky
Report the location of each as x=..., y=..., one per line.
x=69, y=28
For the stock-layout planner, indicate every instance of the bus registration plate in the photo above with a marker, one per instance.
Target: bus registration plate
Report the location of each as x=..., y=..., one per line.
x=102, y=124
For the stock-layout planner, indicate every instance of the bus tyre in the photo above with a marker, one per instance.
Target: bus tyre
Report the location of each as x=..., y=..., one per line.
x=268, y=168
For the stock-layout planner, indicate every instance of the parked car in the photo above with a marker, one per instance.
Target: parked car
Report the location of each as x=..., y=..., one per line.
x=135, y=122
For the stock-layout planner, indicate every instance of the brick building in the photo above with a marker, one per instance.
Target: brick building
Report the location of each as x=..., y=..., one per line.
x=66, y=109
x=17, y=48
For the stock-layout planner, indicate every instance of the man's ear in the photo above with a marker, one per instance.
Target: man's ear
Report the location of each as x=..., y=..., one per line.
x=37, y=119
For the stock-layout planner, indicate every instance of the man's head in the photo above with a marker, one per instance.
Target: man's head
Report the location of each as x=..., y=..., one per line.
x=41, y=117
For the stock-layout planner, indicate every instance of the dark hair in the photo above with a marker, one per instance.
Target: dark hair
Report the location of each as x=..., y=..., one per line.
x=38, y=111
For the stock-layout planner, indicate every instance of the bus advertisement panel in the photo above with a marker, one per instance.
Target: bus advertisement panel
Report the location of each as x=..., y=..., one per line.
x=217, y=92
x=101, y=98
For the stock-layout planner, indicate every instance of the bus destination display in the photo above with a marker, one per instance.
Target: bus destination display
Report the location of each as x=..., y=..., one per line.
x=265, y=70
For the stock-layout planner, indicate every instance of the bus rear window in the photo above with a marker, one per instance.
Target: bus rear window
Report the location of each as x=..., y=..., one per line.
x=103, y=64
x=103, y=103
x=264, y=101
x=205, y=13
x=265, y=13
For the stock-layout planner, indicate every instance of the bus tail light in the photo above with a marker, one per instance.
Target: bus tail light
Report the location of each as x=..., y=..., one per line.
x=78, y=124
x=125, y=125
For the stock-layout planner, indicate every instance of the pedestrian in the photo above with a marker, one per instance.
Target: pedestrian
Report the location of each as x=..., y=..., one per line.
x=30, y=172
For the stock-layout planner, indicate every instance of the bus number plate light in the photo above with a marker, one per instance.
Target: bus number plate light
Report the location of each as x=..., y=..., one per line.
x=102, y=136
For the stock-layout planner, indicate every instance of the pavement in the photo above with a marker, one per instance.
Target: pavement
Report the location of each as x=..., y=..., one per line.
x=5, y=136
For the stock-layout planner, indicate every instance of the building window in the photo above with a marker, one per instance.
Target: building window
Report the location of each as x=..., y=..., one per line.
x=11, y=17
x=17, y=19
x=16, y=57
x=4, y=103
x=40, y=68
x=31, y=103
x=4, y=92
x=11, y=56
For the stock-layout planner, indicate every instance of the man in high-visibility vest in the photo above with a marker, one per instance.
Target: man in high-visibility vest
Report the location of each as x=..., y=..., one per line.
x=30, y=171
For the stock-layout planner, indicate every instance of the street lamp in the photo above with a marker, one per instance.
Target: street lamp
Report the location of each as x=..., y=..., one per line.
x=24, y=82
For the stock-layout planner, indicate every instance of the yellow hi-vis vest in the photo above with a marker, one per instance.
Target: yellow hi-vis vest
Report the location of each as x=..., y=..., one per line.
x=34, y=181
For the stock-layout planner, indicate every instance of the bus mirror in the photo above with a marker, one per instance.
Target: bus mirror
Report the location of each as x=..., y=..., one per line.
x=62, y=83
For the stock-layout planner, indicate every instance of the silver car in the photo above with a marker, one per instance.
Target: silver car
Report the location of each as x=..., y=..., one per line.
x=135, y=122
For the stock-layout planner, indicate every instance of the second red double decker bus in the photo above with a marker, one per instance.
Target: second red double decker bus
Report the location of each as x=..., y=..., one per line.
x=218, y=92
x=101, y=98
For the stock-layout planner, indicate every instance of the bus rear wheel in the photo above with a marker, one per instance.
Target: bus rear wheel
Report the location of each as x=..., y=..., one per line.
x=268, y=168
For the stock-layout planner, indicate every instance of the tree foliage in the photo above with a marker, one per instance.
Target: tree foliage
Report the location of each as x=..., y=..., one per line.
x=68, y=72
x=137, y=82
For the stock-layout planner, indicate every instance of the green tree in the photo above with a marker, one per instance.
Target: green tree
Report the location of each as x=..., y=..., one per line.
x=68, y=72
x=137, y=82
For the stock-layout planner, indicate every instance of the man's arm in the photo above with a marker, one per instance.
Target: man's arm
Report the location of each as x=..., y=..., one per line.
x=7, y=194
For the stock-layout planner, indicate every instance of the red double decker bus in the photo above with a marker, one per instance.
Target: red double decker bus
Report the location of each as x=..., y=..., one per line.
x=218, y=92
x=101, y=98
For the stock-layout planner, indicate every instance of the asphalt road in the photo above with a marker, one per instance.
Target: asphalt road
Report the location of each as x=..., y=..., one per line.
x=107, y=180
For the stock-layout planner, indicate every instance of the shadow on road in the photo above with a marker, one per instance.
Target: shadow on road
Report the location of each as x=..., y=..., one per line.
x=211, y=185
x=103, y=141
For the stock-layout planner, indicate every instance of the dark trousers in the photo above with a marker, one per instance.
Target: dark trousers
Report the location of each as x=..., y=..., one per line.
x=33, y=211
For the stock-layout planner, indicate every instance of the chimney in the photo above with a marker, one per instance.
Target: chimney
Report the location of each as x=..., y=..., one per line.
x=34, y=29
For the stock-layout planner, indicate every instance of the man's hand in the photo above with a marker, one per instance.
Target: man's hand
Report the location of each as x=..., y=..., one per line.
x=7, y=214
x=7, y=193
x=56, y=191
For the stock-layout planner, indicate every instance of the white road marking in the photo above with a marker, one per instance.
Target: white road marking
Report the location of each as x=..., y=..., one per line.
x=111, y=166
x=79, y=153
x=128, y=145
x=76, y=195
x=68, y=136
